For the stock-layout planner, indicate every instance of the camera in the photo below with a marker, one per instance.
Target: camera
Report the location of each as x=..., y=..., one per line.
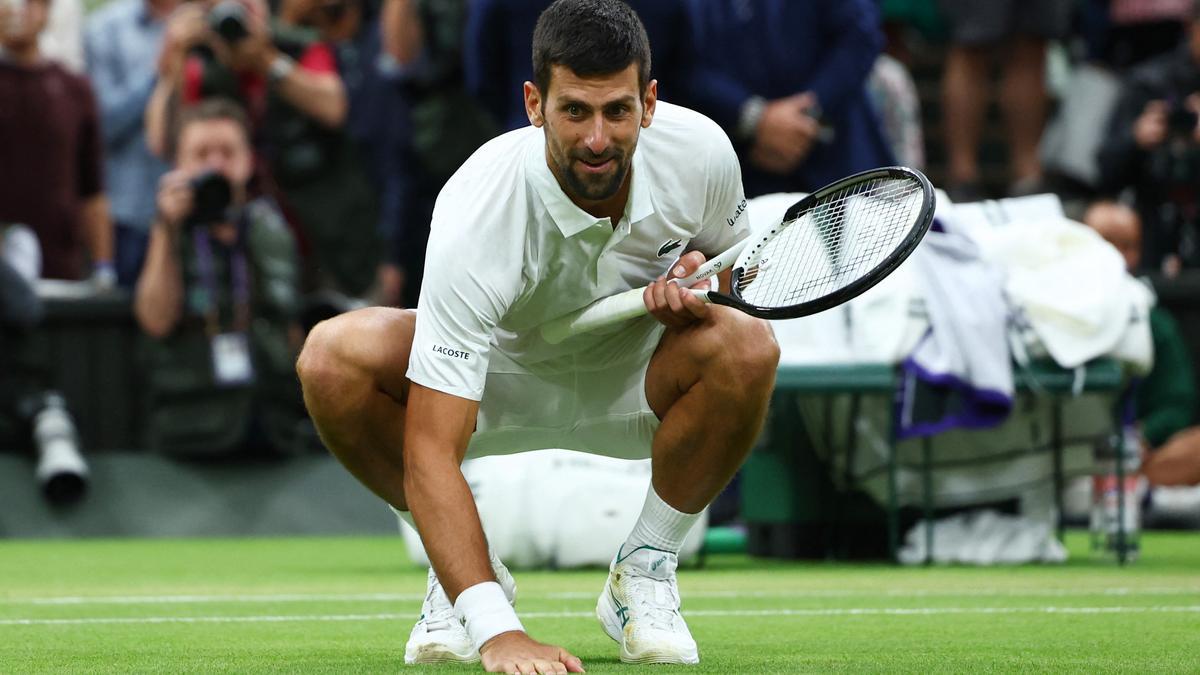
x=228, y=20
x=212, y=194
x=1181, y=121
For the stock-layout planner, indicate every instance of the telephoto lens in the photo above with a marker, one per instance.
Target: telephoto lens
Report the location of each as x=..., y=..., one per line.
x=61, y=469
x=211, y=196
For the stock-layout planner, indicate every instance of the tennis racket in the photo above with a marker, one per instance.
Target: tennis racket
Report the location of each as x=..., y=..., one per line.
x=830, y=247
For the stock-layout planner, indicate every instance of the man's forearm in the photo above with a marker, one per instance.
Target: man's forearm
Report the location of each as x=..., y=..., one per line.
x=98, y=229
x=319, y=95
x=442, y=504
x=158, y=299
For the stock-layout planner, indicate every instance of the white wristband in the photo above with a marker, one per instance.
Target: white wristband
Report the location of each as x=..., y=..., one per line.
x=486, y=612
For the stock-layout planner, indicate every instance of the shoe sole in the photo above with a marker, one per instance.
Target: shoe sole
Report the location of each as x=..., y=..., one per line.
x=612, y=628
x=435, y=653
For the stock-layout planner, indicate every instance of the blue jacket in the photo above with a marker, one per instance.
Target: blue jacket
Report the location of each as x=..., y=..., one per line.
x=497, y=59
x=776, y=48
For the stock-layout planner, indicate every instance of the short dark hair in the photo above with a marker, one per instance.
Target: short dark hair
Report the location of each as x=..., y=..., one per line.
x=591, y=37
x=211, y=109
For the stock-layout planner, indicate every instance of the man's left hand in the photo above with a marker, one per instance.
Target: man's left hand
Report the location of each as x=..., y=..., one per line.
x=669, y=302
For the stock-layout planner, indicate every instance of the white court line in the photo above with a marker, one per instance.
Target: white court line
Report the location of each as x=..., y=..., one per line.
x=861, y=611
x=580, y=595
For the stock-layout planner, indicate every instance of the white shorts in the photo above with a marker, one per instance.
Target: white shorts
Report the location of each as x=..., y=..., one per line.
x=595, y=408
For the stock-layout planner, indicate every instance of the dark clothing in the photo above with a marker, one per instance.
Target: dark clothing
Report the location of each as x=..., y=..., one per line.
x=446, y=125
x=377, y=122
x=777, y=48
x=1166, y=399
x=51, y=159
x=1166, y=179
x=188, y=412
x=983, y=22
x=497, y=55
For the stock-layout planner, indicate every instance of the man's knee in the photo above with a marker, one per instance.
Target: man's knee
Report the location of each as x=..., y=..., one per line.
x=741, y=349
x=368, y=342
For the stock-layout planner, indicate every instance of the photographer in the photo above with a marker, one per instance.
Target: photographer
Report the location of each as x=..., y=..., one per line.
x=226, y=49
x=1153, y=147
x=218, y=298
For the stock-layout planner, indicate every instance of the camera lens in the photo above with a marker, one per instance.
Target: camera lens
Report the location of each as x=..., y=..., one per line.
x=211, y=196
x=228, y=20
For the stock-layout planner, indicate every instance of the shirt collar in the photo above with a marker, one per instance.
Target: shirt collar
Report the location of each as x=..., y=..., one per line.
x=570, y=219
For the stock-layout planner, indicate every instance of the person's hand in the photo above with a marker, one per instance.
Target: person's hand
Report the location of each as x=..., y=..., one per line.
x=174, y=199
x=786, y=133
x=669, y=302
x=186, y=28
x=255, y=51
x=1150, y=128
x=516, y=652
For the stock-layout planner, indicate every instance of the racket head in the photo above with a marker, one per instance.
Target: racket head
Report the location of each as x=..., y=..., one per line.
x=833, y=245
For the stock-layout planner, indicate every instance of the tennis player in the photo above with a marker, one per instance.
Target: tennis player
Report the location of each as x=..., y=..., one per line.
x=602, y=193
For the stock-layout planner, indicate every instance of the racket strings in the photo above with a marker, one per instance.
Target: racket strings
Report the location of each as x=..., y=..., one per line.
x=842, y=237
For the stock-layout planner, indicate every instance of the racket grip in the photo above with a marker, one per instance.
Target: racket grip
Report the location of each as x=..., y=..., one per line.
x=603, y=312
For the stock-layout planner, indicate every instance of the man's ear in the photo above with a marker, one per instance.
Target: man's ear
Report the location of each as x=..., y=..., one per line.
x=649, y=101
x=533, y=104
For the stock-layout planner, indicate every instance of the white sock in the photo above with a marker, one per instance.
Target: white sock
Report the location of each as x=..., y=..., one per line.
x=660, y=526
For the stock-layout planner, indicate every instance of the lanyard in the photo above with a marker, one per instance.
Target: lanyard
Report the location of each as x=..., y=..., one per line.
x=239, y=276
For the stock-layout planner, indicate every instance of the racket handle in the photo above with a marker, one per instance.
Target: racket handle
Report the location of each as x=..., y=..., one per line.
x=603, y=312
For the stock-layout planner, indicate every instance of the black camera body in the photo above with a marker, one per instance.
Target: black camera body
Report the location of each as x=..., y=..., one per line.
x=228, y=20
x=212, y=195
x=1181, y=121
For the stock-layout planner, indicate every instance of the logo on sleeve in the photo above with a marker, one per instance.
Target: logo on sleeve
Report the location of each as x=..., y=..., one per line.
x=452, y=353
x=741, y=208
x=668, y=246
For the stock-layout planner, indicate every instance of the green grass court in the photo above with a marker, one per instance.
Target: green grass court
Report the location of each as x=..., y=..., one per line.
x=345, y=605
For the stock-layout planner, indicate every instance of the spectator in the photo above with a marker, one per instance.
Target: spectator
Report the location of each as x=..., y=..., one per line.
x=217, y=298
x=1021, y=28
x=1153, y=147
x=49, y=130
x=499, y=32
x=786, y=82
x=376, y=126
x=424, y=44
x=123, y=40
x=1165, y=401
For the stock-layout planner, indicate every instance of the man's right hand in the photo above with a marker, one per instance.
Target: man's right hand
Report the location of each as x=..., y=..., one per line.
x=186, y=28
x=786, y=133
x=1150, y=128
x=174, y=198
x=515, y=652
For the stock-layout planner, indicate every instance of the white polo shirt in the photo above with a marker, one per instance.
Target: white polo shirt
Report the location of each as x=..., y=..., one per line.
x=508, y=250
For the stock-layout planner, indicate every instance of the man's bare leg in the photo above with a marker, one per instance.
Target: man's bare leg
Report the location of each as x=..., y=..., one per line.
x=964, y=104
x=710, y=384
x=352, y=370
x=1023, y=100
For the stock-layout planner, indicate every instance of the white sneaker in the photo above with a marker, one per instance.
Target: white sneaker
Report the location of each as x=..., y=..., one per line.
x=639, y=608
x=439, y=636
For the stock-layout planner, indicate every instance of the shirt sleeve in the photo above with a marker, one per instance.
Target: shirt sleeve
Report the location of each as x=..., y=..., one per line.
x=91, y=145
x=468, y=286
x=725, y=221
x=318, y=58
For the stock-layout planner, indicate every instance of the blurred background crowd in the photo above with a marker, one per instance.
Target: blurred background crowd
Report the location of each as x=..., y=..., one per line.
x=237, y=170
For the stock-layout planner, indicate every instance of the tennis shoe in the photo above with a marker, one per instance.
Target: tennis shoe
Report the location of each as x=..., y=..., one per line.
x=439, y=635
x=639, y=608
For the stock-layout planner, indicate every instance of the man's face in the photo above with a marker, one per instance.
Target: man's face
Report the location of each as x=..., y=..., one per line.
x=22, y=23
x=592, y=126
x=216, y=145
